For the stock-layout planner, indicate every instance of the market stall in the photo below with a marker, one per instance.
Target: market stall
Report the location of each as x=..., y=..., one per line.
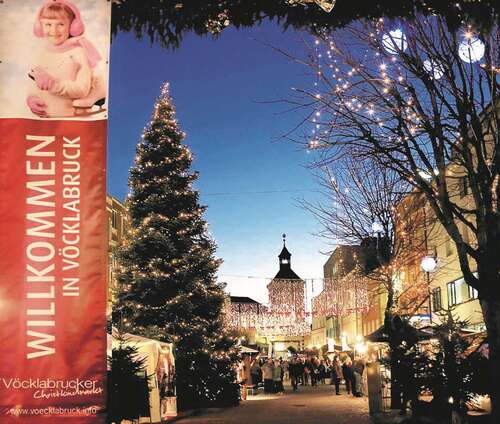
x=159, y=368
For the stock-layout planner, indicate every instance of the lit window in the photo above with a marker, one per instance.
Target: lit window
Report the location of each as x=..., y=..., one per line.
x=464, y=186
x=472, y=292
x=113, y=219
x=436, y=299
x=458, y=292
x=447, y=247
x=452, y=294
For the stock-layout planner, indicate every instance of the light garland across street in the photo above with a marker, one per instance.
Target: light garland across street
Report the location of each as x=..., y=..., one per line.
x=287, y=313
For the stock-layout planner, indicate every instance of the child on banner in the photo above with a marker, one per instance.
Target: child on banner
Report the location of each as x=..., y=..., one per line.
x=63, y=72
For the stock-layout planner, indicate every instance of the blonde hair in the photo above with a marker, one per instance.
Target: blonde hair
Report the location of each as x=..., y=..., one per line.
x=54, y=11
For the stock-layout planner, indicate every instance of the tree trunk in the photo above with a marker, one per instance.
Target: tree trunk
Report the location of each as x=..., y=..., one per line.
x=395, y=392
x=491, y=314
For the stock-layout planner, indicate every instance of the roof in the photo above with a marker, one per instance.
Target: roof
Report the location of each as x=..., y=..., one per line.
x=242, y=299
x=245, y=349
x=380, y=335
x=286, y=274
x=285, y=253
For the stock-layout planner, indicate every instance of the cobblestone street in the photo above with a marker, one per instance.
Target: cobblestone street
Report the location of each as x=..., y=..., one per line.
x=310, y=405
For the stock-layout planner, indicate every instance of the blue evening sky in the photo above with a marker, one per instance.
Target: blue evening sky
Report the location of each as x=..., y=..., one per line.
x=218, y=87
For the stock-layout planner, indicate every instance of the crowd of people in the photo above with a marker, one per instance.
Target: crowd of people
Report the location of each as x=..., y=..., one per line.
x=308, y=370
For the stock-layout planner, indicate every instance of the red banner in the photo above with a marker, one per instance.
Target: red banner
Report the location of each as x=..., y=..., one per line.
x=53, y=268
x=53, y=222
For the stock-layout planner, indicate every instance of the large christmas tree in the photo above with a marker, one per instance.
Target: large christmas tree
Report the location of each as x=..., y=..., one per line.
x=167, y=277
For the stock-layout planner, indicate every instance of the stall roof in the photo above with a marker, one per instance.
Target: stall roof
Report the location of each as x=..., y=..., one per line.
x=138, y=339
x=381, y=336
x=245, y=349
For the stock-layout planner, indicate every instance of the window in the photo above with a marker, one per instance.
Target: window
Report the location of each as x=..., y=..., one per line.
x=114, y=216
x=447, y=247
x=472, y=292
x=110, y=271
x=452, y=294
x=458, y=292
x=436, y=299
x=464, y=186
x=465, y=233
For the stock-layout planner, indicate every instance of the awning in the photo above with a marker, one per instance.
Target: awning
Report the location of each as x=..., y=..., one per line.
x=245, y=349
x=381, y=336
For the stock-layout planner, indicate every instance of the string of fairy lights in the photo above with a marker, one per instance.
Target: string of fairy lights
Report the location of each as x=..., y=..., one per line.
x=386, y=42
x=287, y=313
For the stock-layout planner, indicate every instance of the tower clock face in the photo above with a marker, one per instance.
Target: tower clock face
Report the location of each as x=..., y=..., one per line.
x=284, y=261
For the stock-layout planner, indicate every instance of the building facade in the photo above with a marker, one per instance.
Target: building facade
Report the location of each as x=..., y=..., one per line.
x=282, y=323
x=287, y=307
x=118, y=225
x=341, y=328
x=442, y=288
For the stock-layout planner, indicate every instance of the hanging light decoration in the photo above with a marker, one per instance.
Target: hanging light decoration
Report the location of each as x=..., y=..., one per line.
x=285, y=316
x=342, y=297
x=394, y=41
x=471, y=49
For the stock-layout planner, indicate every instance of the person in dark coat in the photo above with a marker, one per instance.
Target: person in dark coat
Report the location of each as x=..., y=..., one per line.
x=255, y=373
x=348, y=375
x=294, y=371
x=322, y=372
x=268, y=373
x=357, y=369
x=301, y=370
x=314, y=371
x=337, y=374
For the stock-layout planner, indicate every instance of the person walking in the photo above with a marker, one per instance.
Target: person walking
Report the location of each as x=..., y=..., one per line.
x=300, y=370
x=267, y=374
x=322, y=372
x=294, y=371
x=255, y=373
x=286, y=373
x=347, y=373
x=307, y=372
x=328, y=370
x=277, y=381
x=314, y=371
x=358, y=369
x=337, y=374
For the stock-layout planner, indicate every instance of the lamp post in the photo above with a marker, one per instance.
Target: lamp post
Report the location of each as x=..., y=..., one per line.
x=428, y=264
x=378, y=229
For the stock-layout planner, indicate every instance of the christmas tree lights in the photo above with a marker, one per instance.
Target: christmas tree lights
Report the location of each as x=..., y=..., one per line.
x=167, y=274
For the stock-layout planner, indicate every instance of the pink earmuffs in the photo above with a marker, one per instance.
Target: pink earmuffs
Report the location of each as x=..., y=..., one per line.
x=77, y=28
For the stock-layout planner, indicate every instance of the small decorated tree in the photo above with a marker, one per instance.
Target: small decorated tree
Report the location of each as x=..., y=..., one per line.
x=168, y=287
x=453, y=372
x=128, y=397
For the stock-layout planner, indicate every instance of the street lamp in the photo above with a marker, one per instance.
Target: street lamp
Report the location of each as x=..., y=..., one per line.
x=428, y=264
x=377, y=228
